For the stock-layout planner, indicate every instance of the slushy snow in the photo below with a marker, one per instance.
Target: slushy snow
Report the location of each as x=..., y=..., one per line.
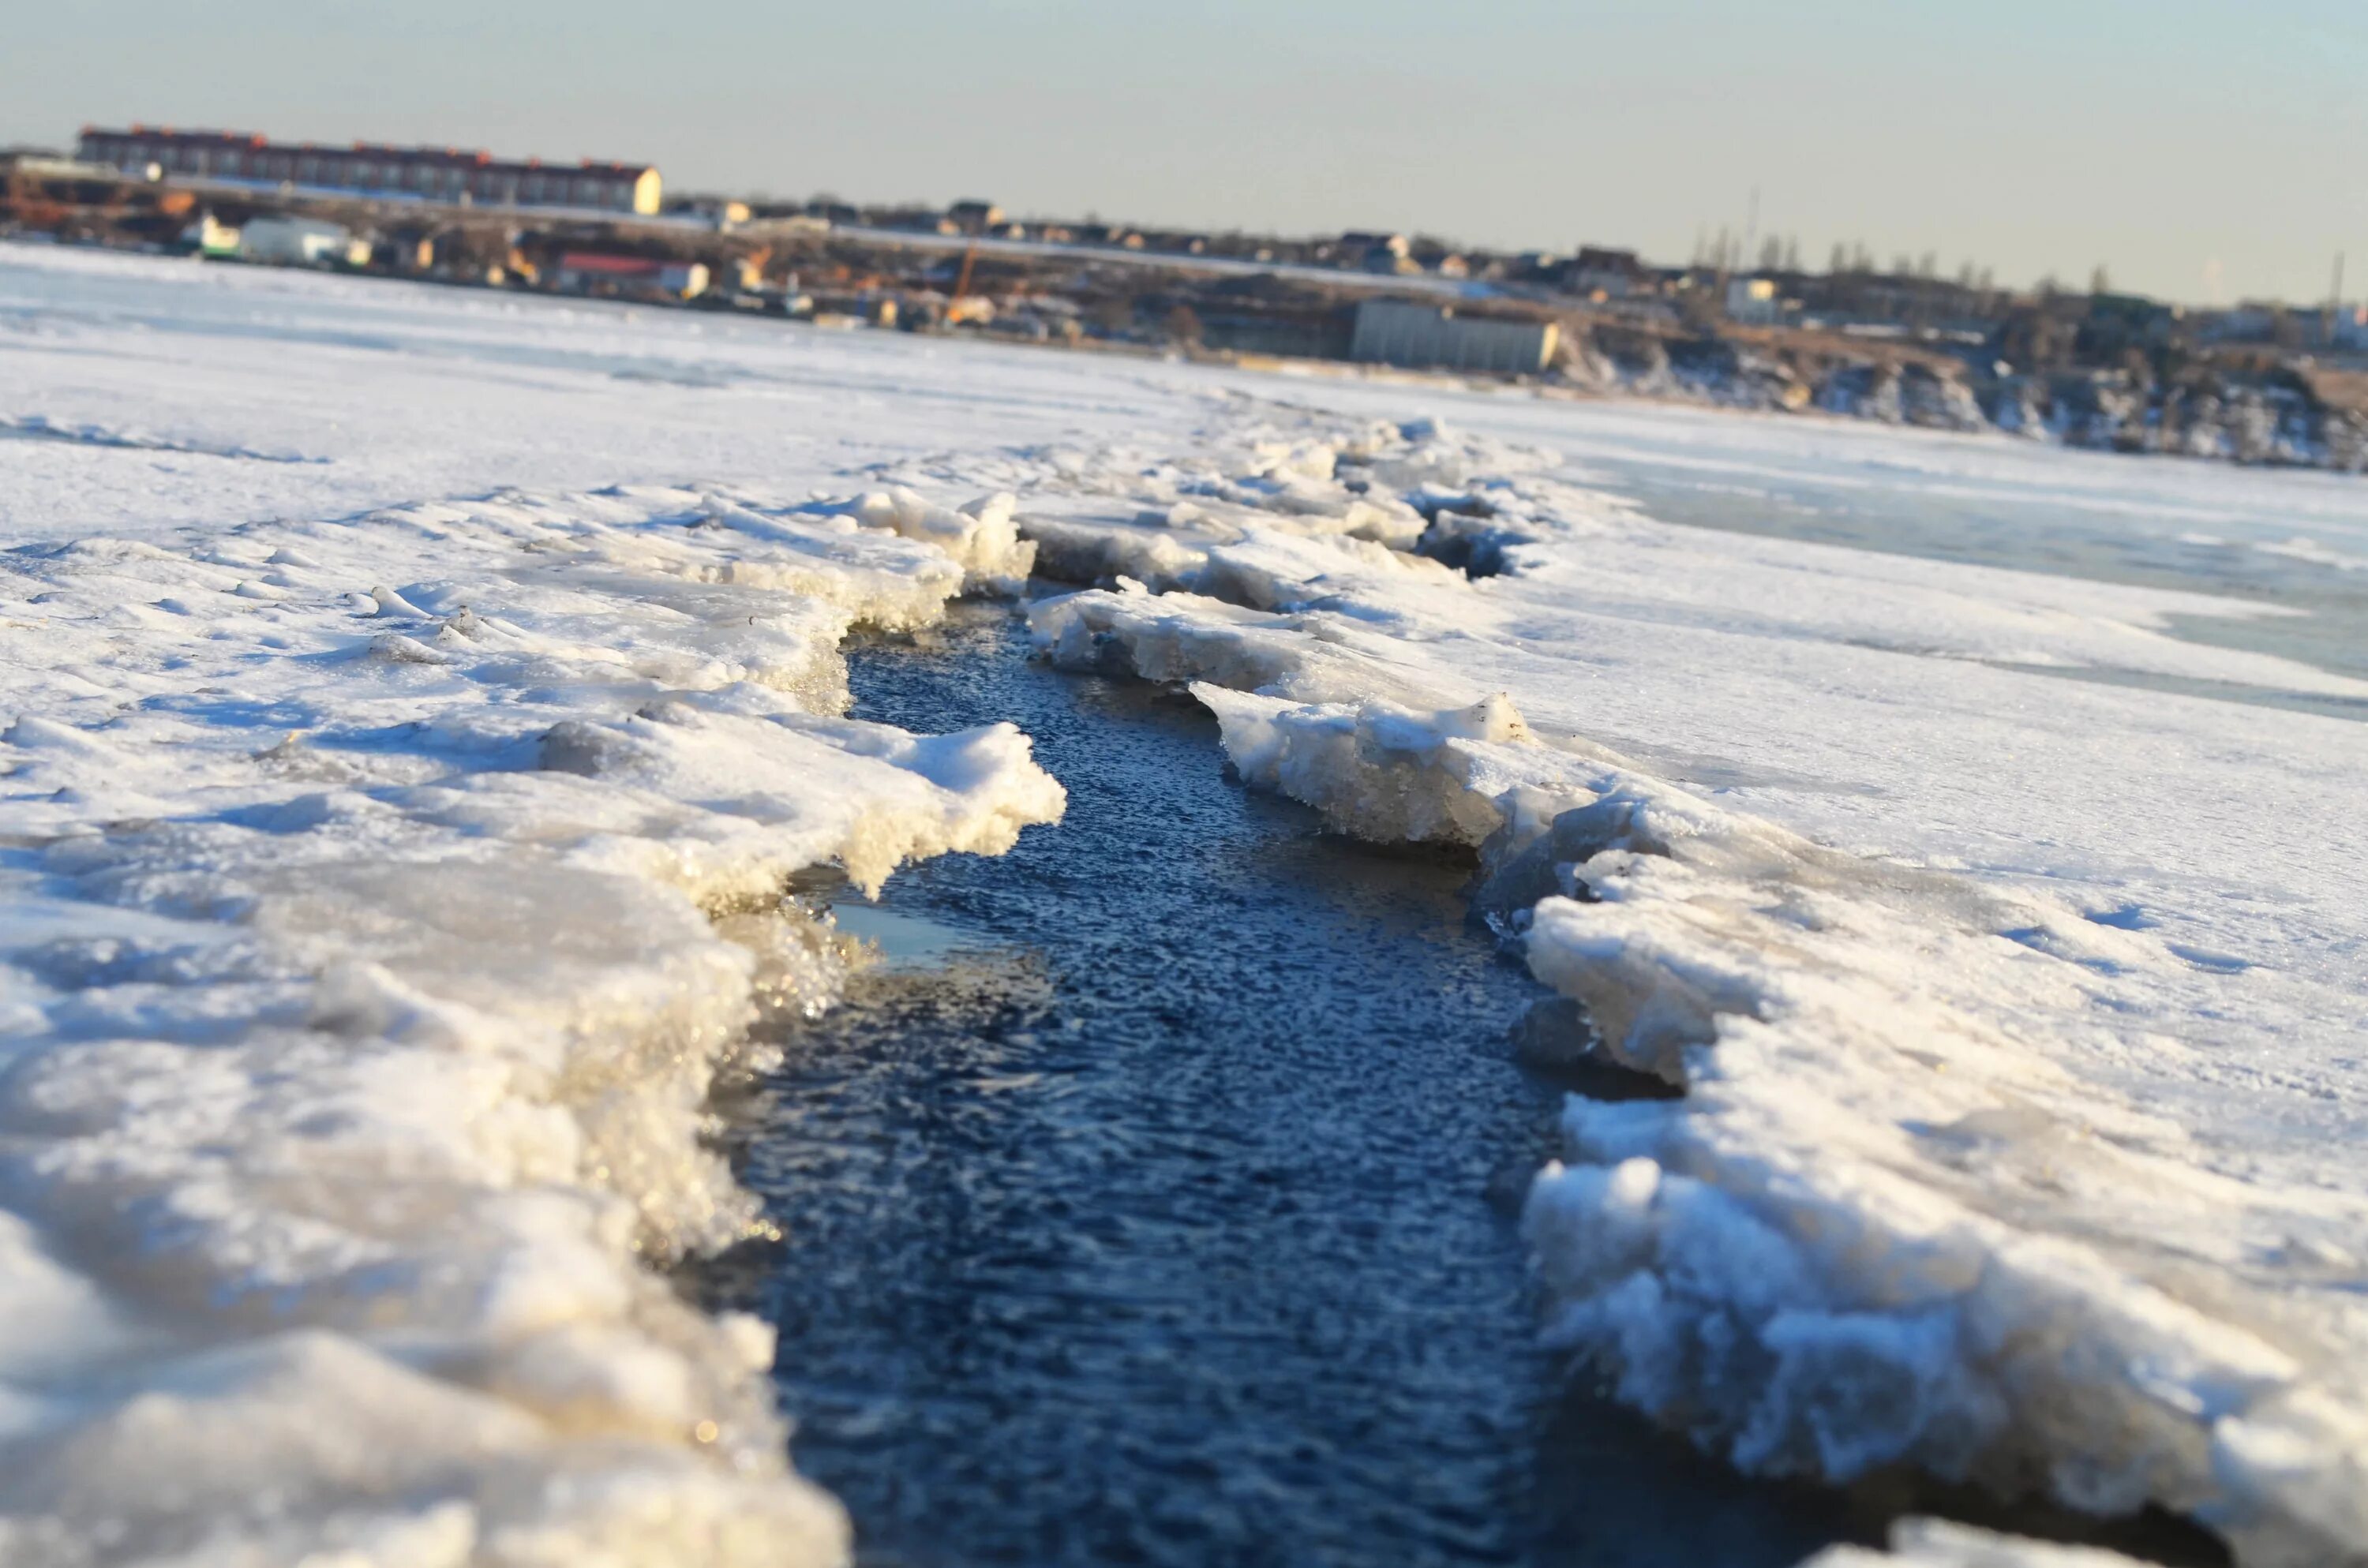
x=418, y=698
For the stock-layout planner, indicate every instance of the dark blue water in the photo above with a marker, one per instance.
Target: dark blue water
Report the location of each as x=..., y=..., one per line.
x=1154, y=1205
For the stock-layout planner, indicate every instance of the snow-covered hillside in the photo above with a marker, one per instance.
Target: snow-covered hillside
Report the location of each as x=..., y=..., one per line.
x=417, y=699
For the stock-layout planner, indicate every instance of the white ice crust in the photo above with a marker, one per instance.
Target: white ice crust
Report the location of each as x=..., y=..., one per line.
x=1988, y=1168
x=1936, y=1543
x=383, y=892
x=401, y=758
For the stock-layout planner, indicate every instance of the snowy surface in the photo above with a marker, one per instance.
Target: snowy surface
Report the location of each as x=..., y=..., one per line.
x=365, y=974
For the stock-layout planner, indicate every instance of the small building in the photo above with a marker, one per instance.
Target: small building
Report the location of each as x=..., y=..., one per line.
x=2248, y=323
x=974, y=216
x=1596, y=273
x=920, y=221
x=301, y=242
x=405, y=250
x=1375, y=252
x=1752, y=302
x=35, y=163
x=2135, y=315
x=1413, y=336
x=721, y=213
x=211, y=238
x=853, y=307
x=629, y=277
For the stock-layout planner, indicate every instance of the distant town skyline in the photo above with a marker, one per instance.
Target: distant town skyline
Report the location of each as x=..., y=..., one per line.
x=2198, y=151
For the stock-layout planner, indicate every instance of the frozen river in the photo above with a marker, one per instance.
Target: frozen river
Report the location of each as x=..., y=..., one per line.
x=1154, y=1201
x=419, y=699
x=2296, y=542
x=1139, y=1209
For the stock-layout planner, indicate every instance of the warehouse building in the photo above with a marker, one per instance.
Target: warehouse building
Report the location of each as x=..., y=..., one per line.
x=1425, y=337
x=629, y=277
x=449, y=174
x=301, y=242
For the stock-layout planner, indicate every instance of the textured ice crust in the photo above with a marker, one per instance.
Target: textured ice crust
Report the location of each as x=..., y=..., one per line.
x=1935, y=1543
x=980, y=534
x=384, y=895
x=1892, y=1221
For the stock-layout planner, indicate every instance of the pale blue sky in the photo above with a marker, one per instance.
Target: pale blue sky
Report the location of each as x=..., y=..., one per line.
x=2197, y=147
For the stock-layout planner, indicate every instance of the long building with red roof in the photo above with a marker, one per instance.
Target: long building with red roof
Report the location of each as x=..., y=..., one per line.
x=452, y=175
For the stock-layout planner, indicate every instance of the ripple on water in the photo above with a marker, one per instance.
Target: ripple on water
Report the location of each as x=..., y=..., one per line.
x=1136, y=1210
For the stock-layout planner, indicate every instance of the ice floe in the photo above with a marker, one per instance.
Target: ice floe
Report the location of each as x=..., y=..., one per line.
x=382, y=895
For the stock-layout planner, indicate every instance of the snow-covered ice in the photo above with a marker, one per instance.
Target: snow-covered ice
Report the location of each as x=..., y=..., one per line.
x=2016, y=1005
x=383, y=892
x=415, y=700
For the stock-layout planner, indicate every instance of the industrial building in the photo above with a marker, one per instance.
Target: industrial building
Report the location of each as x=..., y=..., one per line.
x=300, y=241
x=1422, y=337
x=629, y=277
x=428, y=174
x=1753, y=302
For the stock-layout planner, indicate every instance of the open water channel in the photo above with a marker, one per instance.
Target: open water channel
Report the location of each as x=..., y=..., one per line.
x=1155, y=1200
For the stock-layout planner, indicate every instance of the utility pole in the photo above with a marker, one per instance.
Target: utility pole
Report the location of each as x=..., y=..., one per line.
x=961, y=284
x=1751, y=232
x=2334, y=302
